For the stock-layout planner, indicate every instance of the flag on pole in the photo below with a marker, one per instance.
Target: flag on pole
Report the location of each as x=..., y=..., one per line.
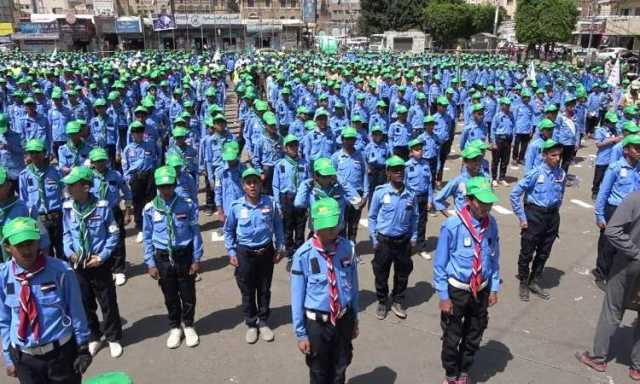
x=531, y=71
x=614, y=76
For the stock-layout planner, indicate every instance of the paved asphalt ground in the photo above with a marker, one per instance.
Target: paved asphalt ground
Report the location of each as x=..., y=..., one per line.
x=530, y=342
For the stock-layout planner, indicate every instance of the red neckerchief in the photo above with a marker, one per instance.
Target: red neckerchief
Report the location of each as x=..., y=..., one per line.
x=476, y=268
x=334, y=301
x=28, y=316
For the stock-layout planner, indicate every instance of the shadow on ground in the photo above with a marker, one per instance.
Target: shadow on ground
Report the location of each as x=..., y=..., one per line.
x=380, y=375
x=229, y=318
x=491, y=359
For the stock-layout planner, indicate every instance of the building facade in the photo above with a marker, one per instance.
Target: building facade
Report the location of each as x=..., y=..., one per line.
x=615, y=23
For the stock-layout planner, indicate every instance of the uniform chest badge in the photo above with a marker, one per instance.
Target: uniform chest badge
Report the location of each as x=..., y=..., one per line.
x=624, y=172
x=157, y=216
x=540, y=179
x=467, y=241
x=386, y=199
x=244, y=213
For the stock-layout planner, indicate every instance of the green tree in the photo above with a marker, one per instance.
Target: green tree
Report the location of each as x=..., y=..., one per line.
x=377, y=16
x=545, y=21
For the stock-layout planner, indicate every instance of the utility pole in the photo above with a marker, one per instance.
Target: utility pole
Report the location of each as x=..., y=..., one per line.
x=172, y=3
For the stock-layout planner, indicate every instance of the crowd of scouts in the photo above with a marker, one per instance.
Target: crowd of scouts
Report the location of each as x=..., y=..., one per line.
x=89, y=145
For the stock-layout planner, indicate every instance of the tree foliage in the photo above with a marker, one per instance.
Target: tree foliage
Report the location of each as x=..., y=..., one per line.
x=545, y=21
x=377, y=16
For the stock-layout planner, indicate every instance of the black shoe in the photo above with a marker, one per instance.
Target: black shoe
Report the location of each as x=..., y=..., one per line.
x=399, y=310
x=602, y=284
x=382, y=310
x=289, y=262
x=524, y=291
x=535, y=287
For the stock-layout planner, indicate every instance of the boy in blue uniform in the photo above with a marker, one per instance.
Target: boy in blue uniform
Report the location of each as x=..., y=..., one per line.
x=501, y=136
x=393, y=217
x=325, y=321
x=75, y=151
x=41, y=344
x=418, y=180
x=40, y=187
x=456, y=187
x=542, y=189
x=430, y=146
x=185, y=183
x=466, y=275
x=288, y=173
x=252, y=226
x=533, y=157
x=90, y=236
x=375, y=153
x=109, y=185
x=605, y=137
x=228, y=180
x=172, y=253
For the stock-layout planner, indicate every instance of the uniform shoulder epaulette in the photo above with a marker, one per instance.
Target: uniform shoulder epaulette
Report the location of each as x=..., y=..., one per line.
x=102, y=203
x=148, y=206
x=68, y=204
x=380, y=186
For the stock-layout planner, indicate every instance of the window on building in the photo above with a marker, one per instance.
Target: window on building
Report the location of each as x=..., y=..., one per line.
x=294, y=3
x=267, y=3
x=251, y=3
x=625, y=11
x=637, y=11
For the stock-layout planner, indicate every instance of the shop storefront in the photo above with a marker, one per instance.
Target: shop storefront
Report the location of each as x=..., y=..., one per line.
x=37, y=37
x=129, y=32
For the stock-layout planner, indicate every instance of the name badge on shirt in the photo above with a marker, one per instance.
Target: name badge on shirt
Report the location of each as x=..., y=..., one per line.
x=265, y=209
x=157, y=216
x=181, y=216
x=540, y=179
x=467, y=242
x=386, y=199
x=624, y=172
x=244, y=213
x=48, y=287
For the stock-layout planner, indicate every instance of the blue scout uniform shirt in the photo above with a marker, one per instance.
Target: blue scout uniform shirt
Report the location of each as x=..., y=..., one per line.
x=417, y=177
x=502, y=124
x=457, y=188
x=566, y=132
x=104, y=130
x=59, y=301
x=393, y=213
x=11, y=153
x=524, y=119
x=619, y=180
x=40, y=189
x=376, y=154
x=297, y=128
x=603, y=155
x=416, y=116
x=139, y=157
x=113, y=190
x=79, y=112
x=472, y=131
x=288, y=174
x=186, y=230
x=616, y=153
x=267, y=151
x=309, y=287
x=352, y=170
x=120, y=116
x=317, y=144
x=454, y=255
x=399, y=134
x=378, y=119
x=490, y=108
x=542, y=186
x=58, y=119
x=285, y=112
x=102, y=229
x=533, y=156
x=188, y=154
x=309, y=191
x=211, y=152
x=70, y=156
x=35, y=128
x=430, y=145
x=186, y=187
x=228, y=185
x=337, y=124
x=252, y=225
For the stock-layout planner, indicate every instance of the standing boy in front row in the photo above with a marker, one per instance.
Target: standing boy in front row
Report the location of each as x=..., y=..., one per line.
x=324, y=296
x=466, y=275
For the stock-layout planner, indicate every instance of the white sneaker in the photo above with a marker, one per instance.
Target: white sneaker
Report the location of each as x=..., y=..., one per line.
x=251, y=337
x=120, y=279
x=116, y=349
x=494, y=183
x=425, y=255
x=175, y=336
x=139, y=238
x=504, y=183
x=266, y=333
x=94, y=347
x=191, y=338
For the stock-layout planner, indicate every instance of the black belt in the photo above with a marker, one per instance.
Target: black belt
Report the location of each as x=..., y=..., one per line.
x=393, y=239
x=50, y=216
x=258, y=250
x=176, y=253
x=542, y=209
x=503, y=136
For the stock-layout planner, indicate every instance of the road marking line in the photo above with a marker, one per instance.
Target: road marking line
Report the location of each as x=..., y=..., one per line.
x=578, y=165
x=364, y=223
x=216, y=236
x=446, y=168
x=502, y=210
x=581, y=203
x=513, y=167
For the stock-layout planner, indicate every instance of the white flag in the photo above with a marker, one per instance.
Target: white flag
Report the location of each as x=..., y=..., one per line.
x=53, y=54
x=531, y=71
x=614, y=76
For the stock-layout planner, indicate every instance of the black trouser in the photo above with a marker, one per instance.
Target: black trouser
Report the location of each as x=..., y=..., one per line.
x=592, y=121
x=143, y=189
x=111, y=152
x=52, y=222
x=598, y=175
x=606, y=250
x=433, y=167
x=377, y=177
x=422, y=201
x=331, y=349
x=96, y=284
x=463, y=329
x=402, y=151
x=396, y=251
x=445, y=149
x=294, y=221
x=267, y=184
x=538, y=238
x=50, y=368
x=352, y=219
x=209, y=190
x=568, y=153
x=500, y=156
x=119, y=255
x=520, y=146
x=253, y=275
x=56, y=146
x=177, y=285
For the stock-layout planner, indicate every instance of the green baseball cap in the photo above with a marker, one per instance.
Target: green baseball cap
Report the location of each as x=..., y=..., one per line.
x=250, y=172
x=140, y=109
x=147, y=102
x=401, y=109
x=3, y=175
x=442, y=100
x=310, y=125
x=471, y=152
x=505, y=101
x=113, y=95
x=230, y=151
x=324, y=167
x=325, y=213
x=357, y=118
x=180, y=132
x=34, y=145
x=550, y=108
x=477, y=107
x=480, y=188
x=415, y=143
x=78, y=174
x=174, y=160
x=72, y=127
x=100, y=102
x=21, y=229
x=421, y=96
x=349, y=133
x=376, y=128
x=136, y=126
x=165, y=176
x=219, y=117
x=29, y=100
x=381, y=104
x=631, y=139
x=302, y=110
x=611, y=117
x=546, y=124
x=269, y=118
x=630, y=110
x=549, y=144
x=395, y=161
x=631, y=127
x=480, y=144
x=429, y=119
x=290, y=139
x=261, y=106
x=98, y=154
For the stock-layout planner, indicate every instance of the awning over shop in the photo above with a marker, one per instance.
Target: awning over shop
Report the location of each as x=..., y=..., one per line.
x=35, y=36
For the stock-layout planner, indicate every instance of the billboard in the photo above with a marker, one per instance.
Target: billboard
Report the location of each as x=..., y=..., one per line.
x=309, y=11
x=128, y=24
x=103, y=8
x=6, y=29
x=163, y=22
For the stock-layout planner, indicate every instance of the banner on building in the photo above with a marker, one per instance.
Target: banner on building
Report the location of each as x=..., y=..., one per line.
x=29, y=27
x=103, y=8
x=207, y=19
x=163, y=22
x=309, y=11
x=128, y=24
x=6, y=29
